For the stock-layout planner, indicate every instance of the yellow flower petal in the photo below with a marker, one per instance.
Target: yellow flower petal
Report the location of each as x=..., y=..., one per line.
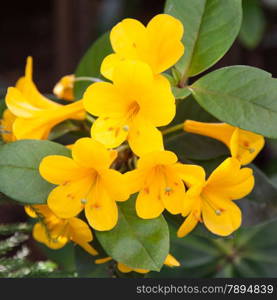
x=148, y=204
x=152, y=159
x=191, y=174
x=59, y=169
x=135, y=180
x=225, y=222
x=102, y=260
x=165, y=33
x=110, y=132
x=41, y=235
x=246, y=145
x=144, y=138
x=34, y=211
x=101, y=211
x=79, y=230
x=123, y=268
x=158, y=104
x=115, y=184
x=173, y=192
x=6, y=126
x=230, y=181
x=18, y=105
x=220, y=131
x=28, y=89
x=81, y=234
x=108, y=65
x=64, y=88
x=68, y=200
x=171, y=261
x=89, y=153
x=188, y=225
x=133, y=79
x=103, y=99
x=128, y=39
x=87, y=247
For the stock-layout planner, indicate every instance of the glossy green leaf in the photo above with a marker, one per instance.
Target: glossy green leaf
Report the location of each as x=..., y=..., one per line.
x=253, y=24
x=62, y=129
x=211, y=27
x=89, y=65
x=242, y=96
x=136, y=242
x=19, y=175
x=261, y=205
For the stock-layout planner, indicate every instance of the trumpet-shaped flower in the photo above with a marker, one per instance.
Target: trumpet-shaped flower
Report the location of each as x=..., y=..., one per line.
x=158, y=44
x=211, y=200
x=35, y=114
x=170, y=261
x=85, y=182
x=244, y=145
x=158, y=179
x=131, y=108
x=56, y=232
x=64, y=88
x=6, y=126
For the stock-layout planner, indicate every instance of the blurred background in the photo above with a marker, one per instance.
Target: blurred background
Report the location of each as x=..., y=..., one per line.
x=58, y=32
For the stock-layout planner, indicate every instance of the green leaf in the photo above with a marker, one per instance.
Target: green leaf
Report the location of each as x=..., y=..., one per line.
x=195, y=147
x=136, y=242
x=62, y=129
x=261, y=205
x=211, y=27
x=19, y=175
x=253, y=24
x=89, y=65
x=242, y=96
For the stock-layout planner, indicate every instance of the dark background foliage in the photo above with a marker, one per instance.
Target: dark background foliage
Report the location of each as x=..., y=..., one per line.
x=58, y=32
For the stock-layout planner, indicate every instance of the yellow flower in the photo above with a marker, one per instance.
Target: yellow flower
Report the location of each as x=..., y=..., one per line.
x=64, y=88
x=6, y=126
x=35, y=114
x=170, y=261
x=85, y=182
x=244, y=145
x=211, y=200
x=158, y=179
x=131, y=108
x=56, y=232
x=158, y=44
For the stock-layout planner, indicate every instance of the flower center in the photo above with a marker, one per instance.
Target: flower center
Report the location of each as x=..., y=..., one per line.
x=217, y=210
x=133, y=110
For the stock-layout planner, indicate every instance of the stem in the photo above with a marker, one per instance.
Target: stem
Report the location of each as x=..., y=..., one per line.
x=90, y=118
x=173, y=129
x=183, y=82
x=84, y=78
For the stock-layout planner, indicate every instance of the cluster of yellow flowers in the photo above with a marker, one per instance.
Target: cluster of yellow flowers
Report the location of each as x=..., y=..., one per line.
x=130, y=107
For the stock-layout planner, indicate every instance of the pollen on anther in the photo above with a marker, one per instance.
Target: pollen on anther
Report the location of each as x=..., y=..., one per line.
x=218, y=212
x=84, y=201
x=168, y=189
